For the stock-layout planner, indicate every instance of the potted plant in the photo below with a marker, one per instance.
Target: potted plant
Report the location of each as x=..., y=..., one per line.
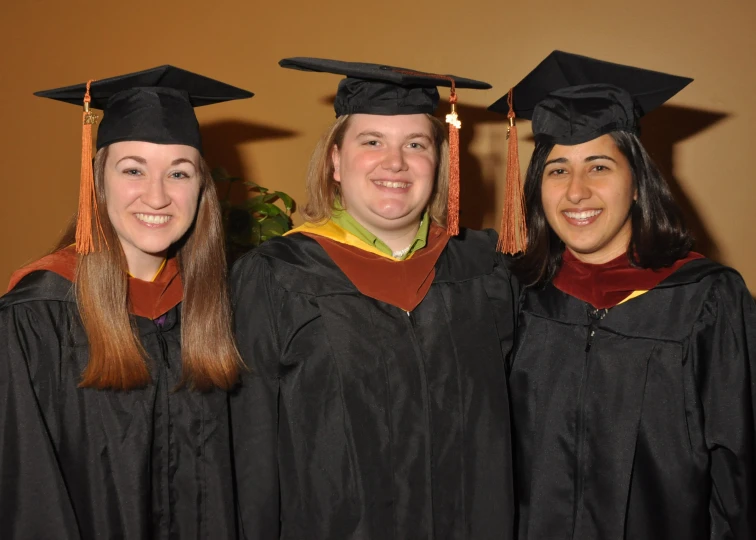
x=262, y=215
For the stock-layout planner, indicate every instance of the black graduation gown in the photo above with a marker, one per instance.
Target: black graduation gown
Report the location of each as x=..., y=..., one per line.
x=79, y=463
x=637, y=422
x=361, y=421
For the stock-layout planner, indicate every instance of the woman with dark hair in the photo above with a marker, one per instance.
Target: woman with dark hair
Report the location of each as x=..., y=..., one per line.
x=633, y=378
x=658, y=235
x=116, y=349
x=376, y=405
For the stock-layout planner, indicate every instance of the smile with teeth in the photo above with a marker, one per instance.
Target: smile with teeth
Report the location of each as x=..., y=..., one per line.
x=386, y=183
x=153, y=219
x=586, y=214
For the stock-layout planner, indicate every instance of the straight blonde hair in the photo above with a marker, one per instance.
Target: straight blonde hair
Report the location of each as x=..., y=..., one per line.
x=322, y=189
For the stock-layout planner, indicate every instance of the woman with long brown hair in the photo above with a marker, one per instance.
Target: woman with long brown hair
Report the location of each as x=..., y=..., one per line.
x=376, y=405
x=116, y=349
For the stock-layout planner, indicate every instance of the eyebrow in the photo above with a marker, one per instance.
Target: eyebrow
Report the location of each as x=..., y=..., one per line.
x=143, y=161
x=557, y=160
x=419, y=136
x=586, y=160
x=379, y=135
x=601, y=156
x=182, y=160
x=138, y=159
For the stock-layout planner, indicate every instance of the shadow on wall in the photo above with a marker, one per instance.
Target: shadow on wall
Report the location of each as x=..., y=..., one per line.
x=660, y=131
x=221, y=141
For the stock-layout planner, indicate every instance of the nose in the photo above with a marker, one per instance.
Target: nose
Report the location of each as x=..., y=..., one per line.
x=155, y=195
x=394, y=159
x=578, y=189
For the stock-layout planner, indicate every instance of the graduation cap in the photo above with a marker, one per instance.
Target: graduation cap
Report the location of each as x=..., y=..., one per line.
x=388, y=90
x=155, y=105
x=380, y=89
x=572, y=99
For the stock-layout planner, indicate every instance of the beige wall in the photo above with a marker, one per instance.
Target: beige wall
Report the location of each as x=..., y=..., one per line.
x=704, y=141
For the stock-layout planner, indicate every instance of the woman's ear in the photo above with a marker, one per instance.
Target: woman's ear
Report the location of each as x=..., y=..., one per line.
x=336, y=159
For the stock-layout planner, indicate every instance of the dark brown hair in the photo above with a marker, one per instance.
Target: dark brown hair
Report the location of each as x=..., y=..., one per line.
x=116, y=357
x=322, y=189
x=659, y=235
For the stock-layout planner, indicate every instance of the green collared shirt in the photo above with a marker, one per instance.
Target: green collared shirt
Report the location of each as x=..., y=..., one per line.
x=343, y=219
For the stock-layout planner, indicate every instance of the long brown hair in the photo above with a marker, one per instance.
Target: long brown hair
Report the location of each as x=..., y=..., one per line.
x=116, y=356
x=322, y=189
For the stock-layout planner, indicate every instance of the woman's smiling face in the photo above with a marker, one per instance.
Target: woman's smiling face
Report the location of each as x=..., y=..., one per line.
x=152, y=193
x=386, y=167
x=587, y=192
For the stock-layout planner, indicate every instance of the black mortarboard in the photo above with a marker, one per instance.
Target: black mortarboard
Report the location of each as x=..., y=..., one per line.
x=387, y=90
x=380, y=89
x=572, y=99
x=155, y=105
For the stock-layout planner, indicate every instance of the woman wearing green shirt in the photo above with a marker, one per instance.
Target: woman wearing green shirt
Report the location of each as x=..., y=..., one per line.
x=375, y=406
x=344, y=219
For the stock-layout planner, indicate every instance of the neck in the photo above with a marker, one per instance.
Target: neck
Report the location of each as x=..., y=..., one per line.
x=598, y=258
x=145, y=266
x=397, y=239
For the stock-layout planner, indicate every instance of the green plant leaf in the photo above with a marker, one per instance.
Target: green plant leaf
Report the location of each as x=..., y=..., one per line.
x=287, y=201
x=272, y=210
x=271, y=228
x=254, y=220
x=284, y=220
x=255, y=207
x=263, y=209
x=256, y=187
x=265, y=198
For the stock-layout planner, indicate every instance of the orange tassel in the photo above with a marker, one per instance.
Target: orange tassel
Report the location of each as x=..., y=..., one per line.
x=513, y=234
x=85, y=243
x=452, y=213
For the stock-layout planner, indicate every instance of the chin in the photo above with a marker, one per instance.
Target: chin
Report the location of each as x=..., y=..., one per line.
x=582, y=249
x=155, y=253
x=153, y=248
x=404, y=215
x=398, y=222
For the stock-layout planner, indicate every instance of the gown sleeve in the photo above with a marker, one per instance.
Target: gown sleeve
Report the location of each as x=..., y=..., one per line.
x=504, y=291
x=724, y=353
x=33, y=498
x=254, y=405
